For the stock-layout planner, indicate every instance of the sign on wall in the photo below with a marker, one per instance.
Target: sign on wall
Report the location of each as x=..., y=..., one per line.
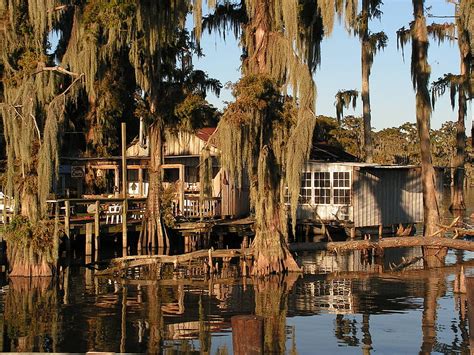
x=78, y=171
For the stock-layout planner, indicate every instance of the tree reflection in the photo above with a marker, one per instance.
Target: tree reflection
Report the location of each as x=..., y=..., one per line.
x=31, y=315
x=271, y=303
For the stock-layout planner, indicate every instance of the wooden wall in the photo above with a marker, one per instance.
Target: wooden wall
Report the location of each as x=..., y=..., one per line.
x=386, y=196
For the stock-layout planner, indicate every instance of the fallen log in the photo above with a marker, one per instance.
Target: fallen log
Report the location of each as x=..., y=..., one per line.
x=117, y=264
x=392, y=242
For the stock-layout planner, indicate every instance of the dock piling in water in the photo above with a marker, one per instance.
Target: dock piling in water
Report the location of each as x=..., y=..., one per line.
x=247, y=334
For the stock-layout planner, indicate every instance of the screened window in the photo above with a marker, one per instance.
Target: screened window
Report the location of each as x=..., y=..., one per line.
x=305, y=191
x=322, y=188
x=342, y=188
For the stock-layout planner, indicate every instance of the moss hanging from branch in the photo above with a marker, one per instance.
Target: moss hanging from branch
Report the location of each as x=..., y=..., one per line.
x=344, y=99
x=205, y=173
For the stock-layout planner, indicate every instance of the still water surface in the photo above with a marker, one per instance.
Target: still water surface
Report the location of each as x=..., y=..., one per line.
x=341, y=304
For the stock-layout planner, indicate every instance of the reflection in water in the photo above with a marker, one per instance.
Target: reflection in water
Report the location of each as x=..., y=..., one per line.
x=30, y=315
x=343, y=303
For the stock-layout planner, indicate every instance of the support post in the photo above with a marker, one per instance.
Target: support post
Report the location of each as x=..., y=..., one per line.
x=353, y=232
x=380, y=231
x=97, y=225
x=141, y=190
x=247, y=334
x=124, y=189
x=211, y=271
x=67, y=224
x=89, y=227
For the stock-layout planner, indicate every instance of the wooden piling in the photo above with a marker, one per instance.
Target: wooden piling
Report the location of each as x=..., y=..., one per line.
x=247, y=334
x=96, y=230
x=89, y=228
x=124, y=188
x=67, y=224
x=353, y=232
x=210, y=262
x=380, y=231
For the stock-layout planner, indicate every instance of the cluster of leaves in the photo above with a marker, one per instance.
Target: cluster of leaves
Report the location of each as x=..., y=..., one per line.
x=255, y=93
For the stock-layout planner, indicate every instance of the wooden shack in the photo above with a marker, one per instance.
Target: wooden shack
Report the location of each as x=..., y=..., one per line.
x=101, y=176
x=182, y=151
x=355, y=194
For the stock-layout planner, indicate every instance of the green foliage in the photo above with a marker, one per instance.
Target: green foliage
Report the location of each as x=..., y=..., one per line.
x=31, y=243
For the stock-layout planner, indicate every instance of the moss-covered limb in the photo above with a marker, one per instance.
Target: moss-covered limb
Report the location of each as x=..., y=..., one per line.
x=32, y=247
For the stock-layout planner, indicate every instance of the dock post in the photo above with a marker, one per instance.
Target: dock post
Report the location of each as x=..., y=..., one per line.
x=353, y=232
x=124, y=189
x=96, y=229
x=67, y=224
x=247, y=334
x=89, y=227
x=380, y=231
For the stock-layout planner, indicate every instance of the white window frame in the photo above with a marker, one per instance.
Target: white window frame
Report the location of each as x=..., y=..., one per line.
x=322, y=188
x=347, y=188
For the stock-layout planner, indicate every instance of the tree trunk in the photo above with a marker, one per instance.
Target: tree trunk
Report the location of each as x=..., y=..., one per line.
x=30, y=206
x=366, y=64
x=152, y=234
x=421, y=77
x=271, y=253
x=457, y=198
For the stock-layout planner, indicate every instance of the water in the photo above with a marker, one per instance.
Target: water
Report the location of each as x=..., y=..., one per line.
x=342, y=304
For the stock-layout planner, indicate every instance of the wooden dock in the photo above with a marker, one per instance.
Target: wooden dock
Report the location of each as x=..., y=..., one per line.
x=97, y=217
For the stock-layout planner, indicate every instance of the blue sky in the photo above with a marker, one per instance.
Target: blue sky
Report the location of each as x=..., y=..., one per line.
x=392, y=95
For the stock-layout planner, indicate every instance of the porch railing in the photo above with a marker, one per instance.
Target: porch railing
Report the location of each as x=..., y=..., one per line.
x=193, y=207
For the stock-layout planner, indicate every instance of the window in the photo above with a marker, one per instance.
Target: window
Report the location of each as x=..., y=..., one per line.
x=132, y=174
x=322, y=188
x=305, y=191
x=341, y=188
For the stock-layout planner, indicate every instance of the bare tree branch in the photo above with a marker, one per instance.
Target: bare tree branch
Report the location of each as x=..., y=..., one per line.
x=42, y=67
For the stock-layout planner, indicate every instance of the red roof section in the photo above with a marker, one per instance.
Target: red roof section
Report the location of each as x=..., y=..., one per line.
x=205, y=133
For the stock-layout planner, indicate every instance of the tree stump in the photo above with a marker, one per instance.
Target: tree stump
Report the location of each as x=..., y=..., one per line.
x=247, y=334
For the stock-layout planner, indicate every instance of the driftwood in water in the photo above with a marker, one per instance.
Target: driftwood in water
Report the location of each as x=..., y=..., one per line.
x=394, y=242
x=126, y=262
x=405, y=263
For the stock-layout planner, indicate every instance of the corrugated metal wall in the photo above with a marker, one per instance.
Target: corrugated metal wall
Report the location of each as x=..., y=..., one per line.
x=387, y=196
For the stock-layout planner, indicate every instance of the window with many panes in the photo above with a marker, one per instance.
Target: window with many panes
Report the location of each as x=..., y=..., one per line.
x=341, y=182
x=322, y=188
x=305, y=190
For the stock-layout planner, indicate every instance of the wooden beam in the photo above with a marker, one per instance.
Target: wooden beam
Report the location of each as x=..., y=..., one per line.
x=89, y=227
x=97, y=229
x=124, y=189
x=67, y=226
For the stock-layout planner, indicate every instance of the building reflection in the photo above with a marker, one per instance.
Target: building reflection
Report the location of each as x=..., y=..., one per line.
x=179, y=315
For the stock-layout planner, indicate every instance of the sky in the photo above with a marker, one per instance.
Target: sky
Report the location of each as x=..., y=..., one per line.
x=392, y=95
